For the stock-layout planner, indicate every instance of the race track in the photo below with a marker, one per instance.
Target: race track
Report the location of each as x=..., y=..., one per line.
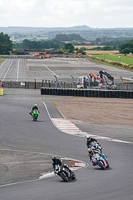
x=63, y=68
x=19, y=132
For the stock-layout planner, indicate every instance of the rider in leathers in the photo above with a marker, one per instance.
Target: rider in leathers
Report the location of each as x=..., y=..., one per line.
x=33, y=108
x=93, y=144
x=57, y=161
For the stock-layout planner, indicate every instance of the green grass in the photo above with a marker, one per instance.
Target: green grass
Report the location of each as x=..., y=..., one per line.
x=117, y=58
x=1, y=60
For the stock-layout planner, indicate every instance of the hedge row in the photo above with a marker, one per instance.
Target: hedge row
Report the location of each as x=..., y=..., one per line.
x=87, y=93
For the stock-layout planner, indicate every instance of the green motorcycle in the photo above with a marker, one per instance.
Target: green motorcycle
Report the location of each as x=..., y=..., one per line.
x=35, y=114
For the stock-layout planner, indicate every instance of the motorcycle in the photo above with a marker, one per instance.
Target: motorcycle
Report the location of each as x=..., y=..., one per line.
x=35, y=114
x=100, y=160
x=64, y=172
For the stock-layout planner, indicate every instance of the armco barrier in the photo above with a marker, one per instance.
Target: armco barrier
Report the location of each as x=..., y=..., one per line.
x=87, y=93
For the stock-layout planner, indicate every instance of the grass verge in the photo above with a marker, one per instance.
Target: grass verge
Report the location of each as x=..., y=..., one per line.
x=1, y=60
x=117, y=64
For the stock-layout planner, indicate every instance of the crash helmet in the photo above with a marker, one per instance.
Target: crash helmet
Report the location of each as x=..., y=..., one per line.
x=35, y=105
x=88, y=137
x=54, y=158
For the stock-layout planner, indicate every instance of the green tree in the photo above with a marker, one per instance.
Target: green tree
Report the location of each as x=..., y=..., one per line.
x=69, y=47
x=81, y=50
x=127, y=47
x=5, y=44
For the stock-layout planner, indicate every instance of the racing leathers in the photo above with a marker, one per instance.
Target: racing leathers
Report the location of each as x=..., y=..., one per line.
x=57, y=161
x=93, y=145
x=33, y=108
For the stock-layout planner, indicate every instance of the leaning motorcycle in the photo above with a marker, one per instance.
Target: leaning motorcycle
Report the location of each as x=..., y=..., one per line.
x=64, y=172
x=35, y=114
x=100, y=160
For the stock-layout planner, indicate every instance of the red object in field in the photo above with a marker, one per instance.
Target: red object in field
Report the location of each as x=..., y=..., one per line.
x=37, y=55
x=47, y=56
x=79, y=55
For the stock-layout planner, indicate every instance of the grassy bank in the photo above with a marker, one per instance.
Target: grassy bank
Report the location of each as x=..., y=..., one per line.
x=119, y=61
x=116, y=58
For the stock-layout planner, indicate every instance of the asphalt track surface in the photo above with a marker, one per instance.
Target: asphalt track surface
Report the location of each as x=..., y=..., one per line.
x=63, y=68
x=19, y=132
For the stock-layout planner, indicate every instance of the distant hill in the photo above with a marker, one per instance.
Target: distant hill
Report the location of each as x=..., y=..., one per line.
x=18, y=34
x=11, y=29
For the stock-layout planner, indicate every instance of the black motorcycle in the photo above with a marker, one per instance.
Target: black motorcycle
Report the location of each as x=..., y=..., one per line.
x=64, y=172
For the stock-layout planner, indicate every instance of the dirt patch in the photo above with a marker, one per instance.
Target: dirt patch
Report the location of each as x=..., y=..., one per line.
x=97, y=110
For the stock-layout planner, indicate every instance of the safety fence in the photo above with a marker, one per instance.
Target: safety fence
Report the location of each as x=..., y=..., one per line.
x=87, y=92
x=125, y=86
x=36, y=84
x=27, y=84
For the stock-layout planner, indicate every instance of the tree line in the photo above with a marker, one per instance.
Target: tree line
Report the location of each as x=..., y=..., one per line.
x=57, y=45
x=39, y=45
x=44, y=45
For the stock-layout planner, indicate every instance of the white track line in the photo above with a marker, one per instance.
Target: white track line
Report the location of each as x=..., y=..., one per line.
x=17, y=71
x=10, y=184
x=3, y=63
x=47, y=111
x=67, y=126
x=50, y=70
x=8, y=70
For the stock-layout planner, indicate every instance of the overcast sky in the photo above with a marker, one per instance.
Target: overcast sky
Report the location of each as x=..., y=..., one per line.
x=66, y=13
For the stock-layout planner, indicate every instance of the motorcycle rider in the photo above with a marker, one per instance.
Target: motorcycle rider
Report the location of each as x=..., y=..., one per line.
x=33, y=108
x=93, y=144
x=57, y=161
x=90, y=140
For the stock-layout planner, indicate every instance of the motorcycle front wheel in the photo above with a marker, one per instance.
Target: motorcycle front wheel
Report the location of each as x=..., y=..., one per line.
x=73, y=177
x=101, y=164
x=107, y=164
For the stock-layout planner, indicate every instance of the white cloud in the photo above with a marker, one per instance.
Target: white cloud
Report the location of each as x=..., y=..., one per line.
x=51, y=13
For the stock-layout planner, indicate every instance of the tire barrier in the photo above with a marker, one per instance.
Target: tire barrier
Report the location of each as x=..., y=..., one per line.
x=87, y=93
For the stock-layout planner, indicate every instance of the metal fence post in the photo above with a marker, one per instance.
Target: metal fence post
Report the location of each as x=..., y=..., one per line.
x=35, y=83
